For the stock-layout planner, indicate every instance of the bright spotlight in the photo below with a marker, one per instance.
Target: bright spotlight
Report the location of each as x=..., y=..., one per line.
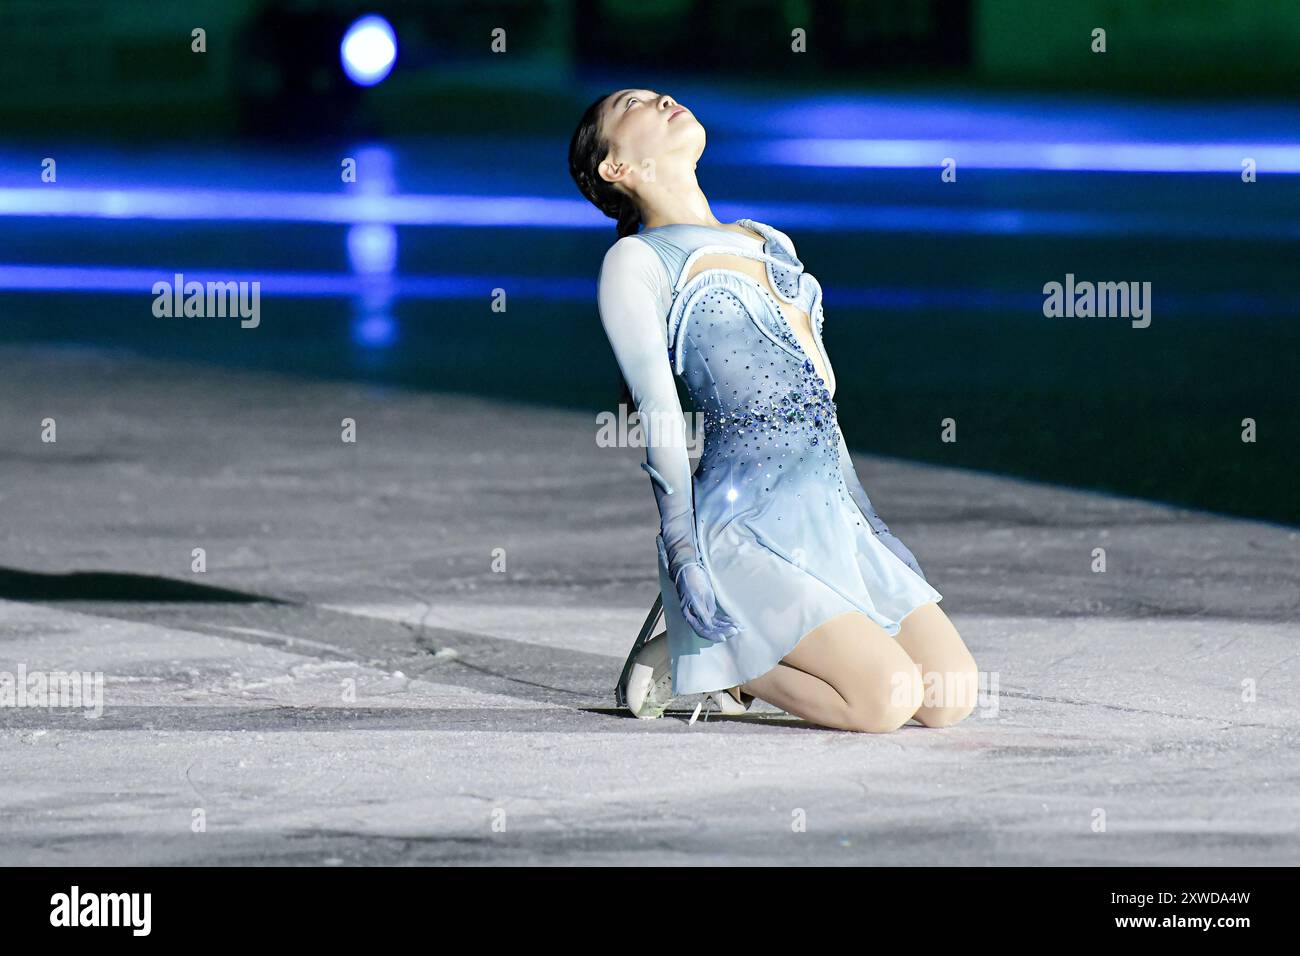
x=372, y=248
x=368, y=50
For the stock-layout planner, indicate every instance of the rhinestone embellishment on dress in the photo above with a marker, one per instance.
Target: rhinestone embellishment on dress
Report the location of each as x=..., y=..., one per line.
x=807, y=408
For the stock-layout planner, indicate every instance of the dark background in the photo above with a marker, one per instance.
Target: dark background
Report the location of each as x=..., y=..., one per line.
x=225, y=165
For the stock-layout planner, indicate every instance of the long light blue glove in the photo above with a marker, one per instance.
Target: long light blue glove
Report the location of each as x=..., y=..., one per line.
x=694, y=588
x=634, y=298
x=878, y=526
x=700, y=606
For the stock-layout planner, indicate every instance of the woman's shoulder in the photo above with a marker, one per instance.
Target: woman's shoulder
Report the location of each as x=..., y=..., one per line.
x=629, y=250
x=630, y=245
x=631, y=257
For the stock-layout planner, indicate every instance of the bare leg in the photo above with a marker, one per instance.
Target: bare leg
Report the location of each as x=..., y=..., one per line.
x=947, y=667
x=847, y=674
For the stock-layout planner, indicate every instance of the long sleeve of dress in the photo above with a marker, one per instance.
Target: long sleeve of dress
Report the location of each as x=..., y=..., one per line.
x=878, y=526
x=634, y=298
x=633, y=305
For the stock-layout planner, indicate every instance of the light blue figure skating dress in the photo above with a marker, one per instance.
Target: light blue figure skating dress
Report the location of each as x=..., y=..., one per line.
x=774, y=518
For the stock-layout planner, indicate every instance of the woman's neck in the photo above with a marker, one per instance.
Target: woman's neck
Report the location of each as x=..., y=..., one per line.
x=668, y=202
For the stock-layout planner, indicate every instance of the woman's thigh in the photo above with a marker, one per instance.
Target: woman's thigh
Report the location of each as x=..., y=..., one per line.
x=947, y=666
x=846, y=673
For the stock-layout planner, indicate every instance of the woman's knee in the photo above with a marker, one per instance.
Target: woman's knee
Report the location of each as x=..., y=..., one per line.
x=950, y=695
x=950, y=673
x=877, y=686
x=887, y=699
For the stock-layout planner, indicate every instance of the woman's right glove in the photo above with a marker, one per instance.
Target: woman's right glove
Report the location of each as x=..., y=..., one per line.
x=681, y=559
x=700, y=605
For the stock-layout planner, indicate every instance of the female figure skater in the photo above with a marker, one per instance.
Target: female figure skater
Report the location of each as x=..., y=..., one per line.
x=779, y=581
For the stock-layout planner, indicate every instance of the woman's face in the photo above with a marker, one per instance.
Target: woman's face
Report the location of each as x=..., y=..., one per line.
x=646, y=130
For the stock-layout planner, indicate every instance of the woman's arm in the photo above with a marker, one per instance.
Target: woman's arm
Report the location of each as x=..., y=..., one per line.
x=856, y=491
x=878, y=526
x=633, y=298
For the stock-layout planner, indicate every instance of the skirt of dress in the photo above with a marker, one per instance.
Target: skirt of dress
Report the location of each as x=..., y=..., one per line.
x=780, y=573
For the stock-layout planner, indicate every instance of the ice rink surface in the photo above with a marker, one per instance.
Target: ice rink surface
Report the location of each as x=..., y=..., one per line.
x=350, y=680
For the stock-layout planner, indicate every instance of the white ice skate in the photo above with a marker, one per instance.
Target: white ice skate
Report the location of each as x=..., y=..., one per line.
x=646, y=685
x=650, y=683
